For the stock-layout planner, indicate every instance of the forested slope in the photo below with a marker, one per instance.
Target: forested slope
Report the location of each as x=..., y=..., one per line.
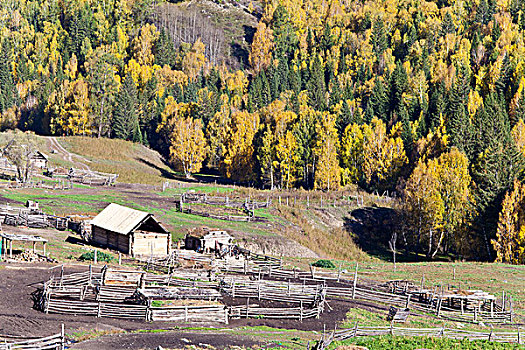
x=424, y=98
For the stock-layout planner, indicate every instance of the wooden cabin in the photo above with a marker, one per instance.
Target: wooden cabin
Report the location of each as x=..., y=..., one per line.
x=130, y=231
x=203, y=239
x=38, y=160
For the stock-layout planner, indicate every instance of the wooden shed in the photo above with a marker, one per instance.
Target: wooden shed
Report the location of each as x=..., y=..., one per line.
x=130, y=231
x=204, y=239
x=38, y=160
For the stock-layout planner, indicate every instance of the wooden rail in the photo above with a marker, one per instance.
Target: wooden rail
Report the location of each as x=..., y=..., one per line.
x=503, y=337
x=55, y=341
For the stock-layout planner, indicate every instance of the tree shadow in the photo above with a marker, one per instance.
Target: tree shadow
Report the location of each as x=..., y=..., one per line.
x=249, y=33
x=372, y=228
x=240, y=53
x=164, y=173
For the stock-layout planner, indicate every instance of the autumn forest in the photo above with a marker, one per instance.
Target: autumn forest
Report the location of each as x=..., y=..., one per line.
x=424, y=99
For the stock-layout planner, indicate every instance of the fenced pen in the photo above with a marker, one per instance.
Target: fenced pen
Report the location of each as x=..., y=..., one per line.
x=132, y=295
x=442, y=301
x=91, y=178
x=22, y=216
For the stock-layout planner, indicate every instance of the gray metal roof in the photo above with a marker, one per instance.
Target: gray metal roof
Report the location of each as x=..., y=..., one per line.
x=119, y=219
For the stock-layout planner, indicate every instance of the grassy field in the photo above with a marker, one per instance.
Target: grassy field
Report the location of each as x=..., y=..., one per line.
x=410, y=343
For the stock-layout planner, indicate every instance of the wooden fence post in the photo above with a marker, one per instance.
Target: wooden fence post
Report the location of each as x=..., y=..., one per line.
x=95, y=256
x=355, y=280
x=62, y=338
x=301, y=312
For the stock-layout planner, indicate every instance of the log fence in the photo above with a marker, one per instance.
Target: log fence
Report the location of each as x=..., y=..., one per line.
x=296, y=313
x=55, y=341
x=341, y=335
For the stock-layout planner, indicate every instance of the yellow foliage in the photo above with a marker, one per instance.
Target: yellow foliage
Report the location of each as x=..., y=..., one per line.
x=185, y=136
x=437, y=200
x=143, y=45
x=327, y=172
x=474, y=102
x=510, y=235
x=373, y=155
x=194, y=60
x=238, y=161
x=261, y=51
x=518, y=134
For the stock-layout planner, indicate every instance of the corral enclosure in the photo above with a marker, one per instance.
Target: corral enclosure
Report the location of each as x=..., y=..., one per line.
x=130, y=231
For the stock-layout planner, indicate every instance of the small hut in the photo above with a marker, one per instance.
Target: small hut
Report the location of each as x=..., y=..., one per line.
x=204, y=239
x=130, y=231
x=38, y=160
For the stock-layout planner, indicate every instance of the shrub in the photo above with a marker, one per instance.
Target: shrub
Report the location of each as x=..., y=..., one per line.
x=324, y=263
x=101, y=256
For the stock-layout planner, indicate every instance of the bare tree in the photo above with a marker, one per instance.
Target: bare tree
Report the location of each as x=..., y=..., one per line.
x=19, y=152
x=392, y=246
x=186, y=25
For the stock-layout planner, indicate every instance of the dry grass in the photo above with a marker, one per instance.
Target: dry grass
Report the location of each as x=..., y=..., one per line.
x=134, y=163
x=324, y=240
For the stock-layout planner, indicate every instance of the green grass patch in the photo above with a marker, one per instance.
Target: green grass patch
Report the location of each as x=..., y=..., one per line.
x=411, y=343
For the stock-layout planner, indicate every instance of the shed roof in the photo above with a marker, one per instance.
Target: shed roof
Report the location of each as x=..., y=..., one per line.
x=202, y=232
x=38, y=154
x=120, y=219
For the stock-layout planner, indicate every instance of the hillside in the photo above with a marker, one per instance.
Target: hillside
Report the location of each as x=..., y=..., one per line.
x=134, y=163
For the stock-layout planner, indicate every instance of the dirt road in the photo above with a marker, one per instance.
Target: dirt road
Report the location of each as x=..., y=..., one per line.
x=68, y=156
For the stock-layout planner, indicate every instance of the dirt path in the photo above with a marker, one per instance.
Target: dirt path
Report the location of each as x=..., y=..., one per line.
x=170, y=340
x=68, y=156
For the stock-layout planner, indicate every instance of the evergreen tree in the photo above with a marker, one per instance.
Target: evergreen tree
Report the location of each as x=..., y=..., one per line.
x=379, y=38
x=316, y=85
x=294, y=79
x=164, y=50
x=437, y=105
x=304, y=132
x=7, y=84
x=497, y=164
x=483, y=15
x=447, y=26
x=399, y=84
x=125, y=118
x=285, y=38
x=503, y=84
x=80, y=30
x=458, y=124
x=379, y=101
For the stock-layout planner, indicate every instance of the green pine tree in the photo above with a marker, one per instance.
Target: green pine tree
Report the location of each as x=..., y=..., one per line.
x=379, y=38
x=125, y=118
x=316, y=85
x=164, y=50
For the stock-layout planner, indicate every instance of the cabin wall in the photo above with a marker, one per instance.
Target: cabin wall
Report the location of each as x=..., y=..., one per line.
x=213, y=242
x=110, y=239
x=146, y=243
x=39, y=163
